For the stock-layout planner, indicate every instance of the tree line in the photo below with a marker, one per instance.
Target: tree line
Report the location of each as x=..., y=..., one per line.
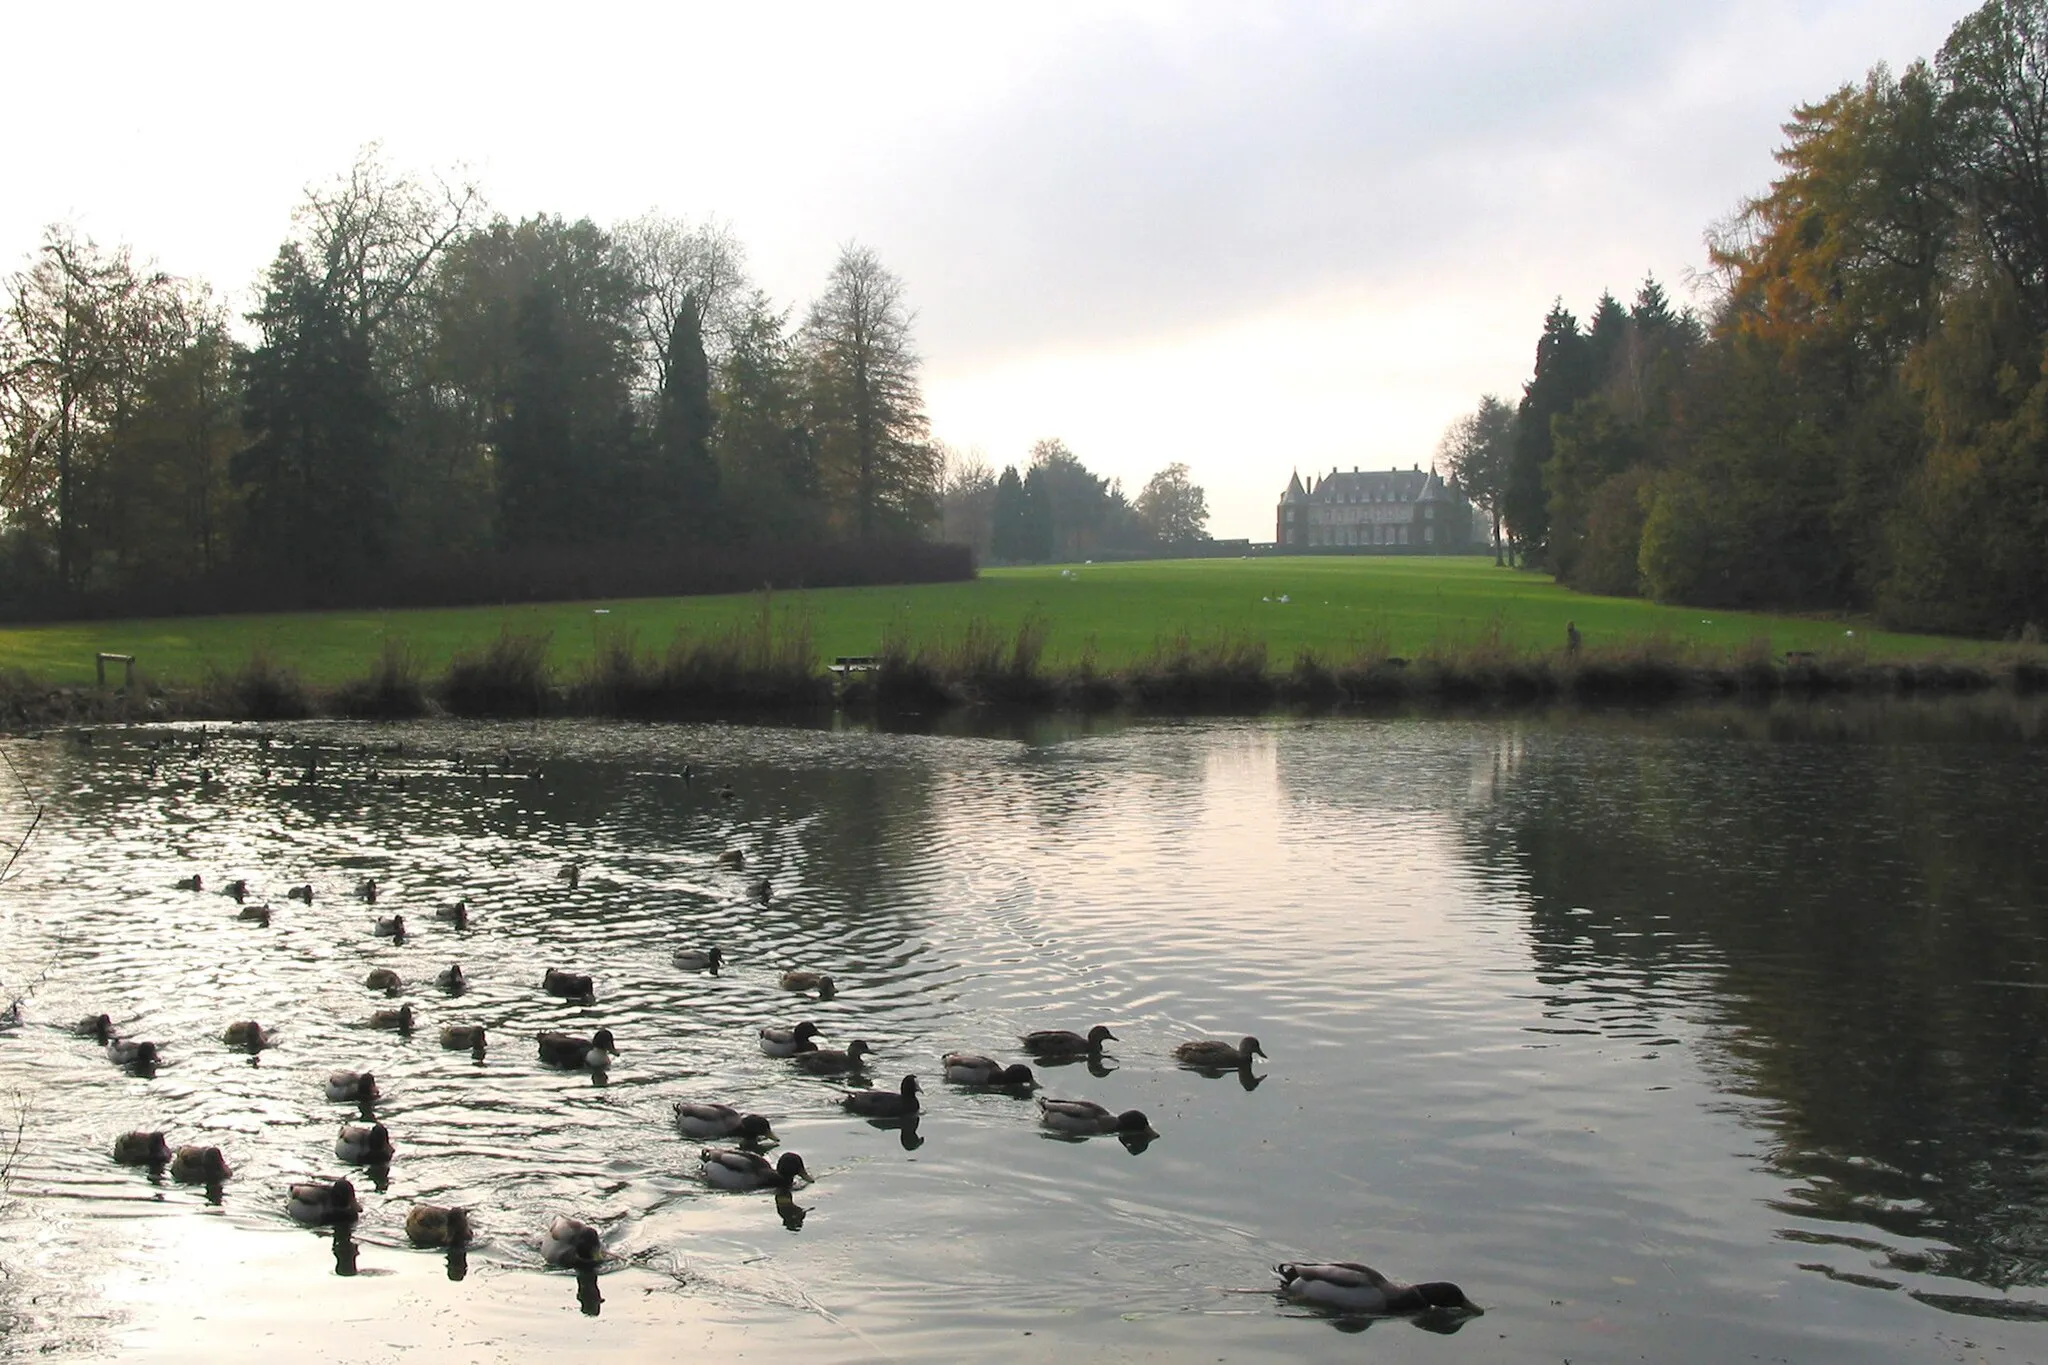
x=1057, y=510
x=428, y=383
x=1859, y=421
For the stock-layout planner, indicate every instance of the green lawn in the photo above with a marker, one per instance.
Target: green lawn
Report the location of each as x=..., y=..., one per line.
x=1334, y=605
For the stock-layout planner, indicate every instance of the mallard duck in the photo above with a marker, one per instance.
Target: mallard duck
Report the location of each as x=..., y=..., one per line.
x=726, y=793
x=571, y=1242
x=829, y=1061
x=900, y=1103
x=1059, y=1042
x=359, y=1086
x=732, y=857
x=254, y=914
x=809, y=981
x=457, y=1037
x=787, y=1042
x=127, y=1052
x=324, y=1201
x=456, y=914
x=970, y=1068
x=238, y=888
x=451, y=979
x=400, y=1018
x=1086, y=1116
x=734, y=1168
x=566, y=1049
x=761, y=891
x=433, y=1225
x=1217, y=1054
x=698, y=959
x=98, y=1027
x=700, y=1119
x=571, y=875
x=385, y=980
x=246, y=1034
x=195, y=882
x=303, y=892
x=569, y=985
x=141, y=1149
x=1361, y=1289
x=200, y=1166
x=391, y=927
x=364, y=1144
x=366, y=890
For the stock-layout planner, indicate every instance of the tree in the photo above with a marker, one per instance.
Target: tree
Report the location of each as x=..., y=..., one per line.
x=1173, y=507
x=685, y=478
x=1010, y=530
x=680, y=268
x=316, y=470
x=967, y=502
x=767, y=459
x=880, y=471
x=1478, y=449
x=1563, y=376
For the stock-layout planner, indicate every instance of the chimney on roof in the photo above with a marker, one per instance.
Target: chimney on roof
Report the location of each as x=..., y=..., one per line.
x=1418, y=469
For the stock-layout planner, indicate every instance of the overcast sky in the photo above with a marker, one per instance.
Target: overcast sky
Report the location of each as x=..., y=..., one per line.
x=1251, y=237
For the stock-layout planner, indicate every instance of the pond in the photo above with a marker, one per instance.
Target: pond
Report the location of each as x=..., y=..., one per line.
x=1696, y=1036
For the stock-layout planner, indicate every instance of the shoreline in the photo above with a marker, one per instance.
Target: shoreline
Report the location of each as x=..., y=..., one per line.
x=512, y=681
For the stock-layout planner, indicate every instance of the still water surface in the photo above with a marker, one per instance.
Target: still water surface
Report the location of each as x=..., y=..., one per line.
x=1704, y=1037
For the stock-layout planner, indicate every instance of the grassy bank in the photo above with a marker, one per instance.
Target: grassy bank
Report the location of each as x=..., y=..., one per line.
x=767, y=655
x=1105, y=618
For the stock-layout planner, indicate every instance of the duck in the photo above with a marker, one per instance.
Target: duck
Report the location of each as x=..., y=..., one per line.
x=127, y=1052
x=258, y=915
x=360, y=1086
x=566, y=1049
x=324, y=1201
x=200, y=1166
x=364, y=1144
x=809, y=981
x=733, y=858
x=385, y=980
x=436, y=1225
x=366, y=890
x=451, y=979
x=400, y=1018
x=195, y=882
x=301, y=892
x=733, y=1168
x=571, y=1242
x=391, y=927
x=787, y=1042
x=828, y=1061
x=458, y=1037
x=571, y=875
x=569, y=985
x=1086, y=1116
x=698, y=959
x=142, y=1149
x=971, y=1068
x=900, y=1103
x=761, y=891
x=98, y=1027
x=1217, y=1054
x=238, y=888
x=1361, y=1289
x=247, y=1035
x=1059, y=1042
x=726, y=793
x=703, y=1119
x=456, y=914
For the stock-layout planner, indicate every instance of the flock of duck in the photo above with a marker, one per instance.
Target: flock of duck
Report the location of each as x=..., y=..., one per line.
x=739, y=1163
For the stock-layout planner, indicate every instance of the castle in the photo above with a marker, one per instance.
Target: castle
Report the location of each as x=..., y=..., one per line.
x=1396, y=512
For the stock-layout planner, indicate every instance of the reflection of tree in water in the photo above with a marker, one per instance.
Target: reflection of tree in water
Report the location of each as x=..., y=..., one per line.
x=1872, y=915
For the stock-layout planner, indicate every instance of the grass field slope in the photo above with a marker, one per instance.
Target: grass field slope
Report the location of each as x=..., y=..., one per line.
x=1111, y=614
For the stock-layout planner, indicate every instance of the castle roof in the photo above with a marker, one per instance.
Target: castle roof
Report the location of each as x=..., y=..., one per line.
x=1372, y=485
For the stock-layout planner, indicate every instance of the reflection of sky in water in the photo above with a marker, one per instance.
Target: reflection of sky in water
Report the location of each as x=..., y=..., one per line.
x=1503, y=971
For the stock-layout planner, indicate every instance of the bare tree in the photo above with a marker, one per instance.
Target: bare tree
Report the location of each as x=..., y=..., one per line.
x=679, y=267
x=372, y=235
x=880, y=469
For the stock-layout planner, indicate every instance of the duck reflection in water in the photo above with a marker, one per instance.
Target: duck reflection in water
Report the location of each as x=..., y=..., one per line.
x=789, y=1211
x=458, y=1261
x=345, y=1249
x=587, y=1297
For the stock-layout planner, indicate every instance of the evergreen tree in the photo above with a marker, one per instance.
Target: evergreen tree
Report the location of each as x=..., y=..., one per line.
x=685, y=476
x=1563, y=376
x=1010, y=541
